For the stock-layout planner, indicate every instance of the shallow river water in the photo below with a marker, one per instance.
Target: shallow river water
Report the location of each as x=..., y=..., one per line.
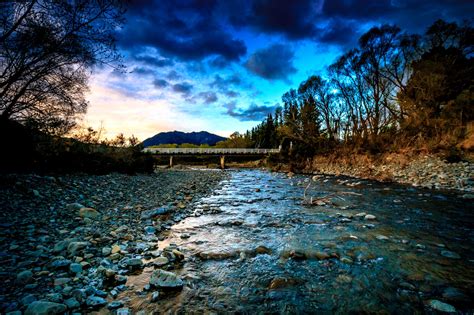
x=254, y=246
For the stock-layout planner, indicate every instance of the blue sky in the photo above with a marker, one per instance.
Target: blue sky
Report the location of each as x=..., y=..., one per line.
x=222, y=66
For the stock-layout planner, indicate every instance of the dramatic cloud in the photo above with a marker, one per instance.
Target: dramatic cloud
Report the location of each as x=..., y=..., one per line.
x=184, y=88
x=253, y=113
x=272, y=63
x=224, y=83
x=185, y=30
x=208, y=97
x=160, y=83
x=294, y=19
x=154, y=61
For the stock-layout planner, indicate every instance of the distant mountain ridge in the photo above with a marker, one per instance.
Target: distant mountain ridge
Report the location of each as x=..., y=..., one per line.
x=179, y=137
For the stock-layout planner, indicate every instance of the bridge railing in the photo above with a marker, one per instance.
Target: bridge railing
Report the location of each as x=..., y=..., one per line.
x=217, y=151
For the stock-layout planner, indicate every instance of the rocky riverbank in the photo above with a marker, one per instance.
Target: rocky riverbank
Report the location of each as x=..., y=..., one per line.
x=68, y=243
x=428, y=171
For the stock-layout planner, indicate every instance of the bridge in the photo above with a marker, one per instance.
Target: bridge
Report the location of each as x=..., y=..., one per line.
x=222, y=152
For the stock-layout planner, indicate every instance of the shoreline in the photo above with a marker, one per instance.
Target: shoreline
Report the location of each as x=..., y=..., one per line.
x=425, y=171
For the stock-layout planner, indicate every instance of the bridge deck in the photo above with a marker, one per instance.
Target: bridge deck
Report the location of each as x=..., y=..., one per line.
x=209, y=151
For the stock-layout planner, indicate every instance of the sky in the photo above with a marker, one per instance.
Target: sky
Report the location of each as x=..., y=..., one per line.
x=223, y=65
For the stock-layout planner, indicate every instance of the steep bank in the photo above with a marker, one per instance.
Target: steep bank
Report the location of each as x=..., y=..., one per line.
x=429, y=171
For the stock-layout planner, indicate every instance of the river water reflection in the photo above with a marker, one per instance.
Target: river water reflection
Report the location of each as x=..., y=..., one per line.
x=253, y=246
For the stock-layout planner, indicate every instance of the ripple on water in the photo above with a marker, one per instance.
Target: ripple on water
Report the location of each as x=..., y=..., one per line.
x=253, y=246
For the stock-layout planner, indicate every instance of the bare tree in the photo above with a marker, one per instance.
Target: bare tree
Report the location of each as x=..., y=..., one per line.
x=47, y=50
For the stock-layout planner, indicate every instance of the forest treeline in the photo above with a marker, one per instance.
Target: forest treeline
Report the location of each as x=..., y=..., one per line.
x=395, y=90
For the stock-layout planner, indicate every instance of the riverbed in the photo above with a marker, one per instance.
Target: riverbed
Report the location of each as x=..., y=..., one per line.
x=255, y=246
x=234, y=241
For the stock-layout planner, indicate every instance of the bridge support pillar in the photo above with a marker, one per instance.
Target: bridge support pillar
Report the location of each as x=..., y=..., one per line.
x=171, y=161
x=222, y=161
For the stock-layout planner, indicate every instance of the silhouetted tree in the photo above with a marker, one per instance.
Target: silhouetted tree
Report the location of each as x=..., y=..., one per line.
x=47, y=49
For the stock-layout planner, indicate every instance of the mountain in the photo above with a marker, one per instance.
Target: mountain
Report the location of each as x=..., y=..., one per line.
x=178, y=137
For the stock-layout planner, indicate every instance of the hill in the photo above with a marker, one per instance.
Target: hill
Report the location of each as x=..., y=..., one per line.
x=179, y=137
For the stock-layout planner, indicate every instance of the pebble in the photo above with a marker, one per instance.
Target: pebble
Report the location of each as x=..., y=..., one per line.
x=165, y=280
x=115, y=304
x=75, y=268
x=95, y=301
x=24, y=277
x=155, y=296
x=370, y=217
x=441, y=306
x=89, y=213
x=450, y=254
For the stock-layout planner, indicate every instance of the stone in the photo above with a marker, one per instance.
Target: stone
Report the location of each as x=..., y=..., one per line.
x=263, y=250
x=75, y=268
x=60, y=264
x=343, y=279
x=161, y=261
x=106, y=251
x=455, y=295
x=89, y=213
x=133, y=263
x=74, y=247
x=54, y=297
x=370, y=217
x=165, y=280
x=441, y=307
x=28, y=299
x=150, y=230
x=45, y=308
x=60, y=246
x=155, y=296
x=74, y=207
x=346, y=260
x=450, y=254
x=24, y=277
x=95, y=301
x=115, y=249
x=154, y=213
x=298, y=255
x=72, y=303
x=123, y=311
x=61, y=281
x=114, y=305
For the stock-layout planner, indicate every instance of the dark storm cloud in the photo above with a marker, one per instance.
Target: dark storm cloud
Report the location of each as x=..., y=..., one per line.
x=184, y=88
x=294, y=19
x=272, y=63
x=253, y=113
x=411, y=15
x=160, y=83
x=182, y=29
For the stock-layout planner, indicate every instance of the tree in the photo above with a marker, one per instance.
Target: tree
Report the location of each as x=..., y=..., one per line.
x=47, y=49
x=439, y=94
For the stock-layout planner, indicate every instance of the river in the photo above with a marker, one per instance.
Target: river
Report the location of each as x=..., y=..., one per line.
x=254, y=246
